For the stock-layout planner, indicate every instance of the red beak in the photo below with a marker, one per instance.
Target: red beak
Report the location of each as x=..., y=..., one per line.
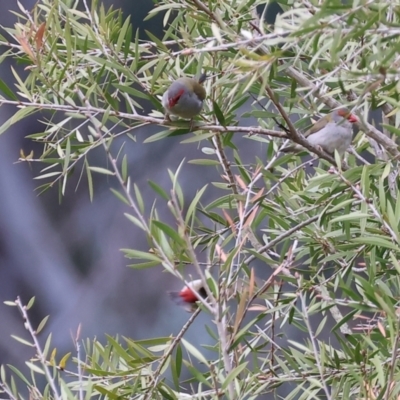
x=352, y=118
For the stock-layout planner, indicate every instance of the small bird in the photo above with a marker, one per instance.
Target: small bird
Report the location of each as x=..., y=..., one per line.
x=185, y=97
x=186, y=297
x=332, y=132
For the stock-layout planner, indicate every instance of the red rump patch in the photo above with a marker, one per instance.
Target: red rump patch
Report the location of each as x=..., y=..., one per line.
x=188, y=296
x=173, y=100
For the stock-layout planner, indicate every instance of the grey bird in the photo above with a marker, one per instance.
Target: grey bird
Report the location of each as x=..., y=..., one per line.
x=185, y=97
x=332, y=132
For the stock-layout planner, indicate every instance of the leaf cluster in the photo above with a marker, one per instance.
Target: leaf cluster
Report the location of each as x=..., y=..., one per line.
x=328, y=230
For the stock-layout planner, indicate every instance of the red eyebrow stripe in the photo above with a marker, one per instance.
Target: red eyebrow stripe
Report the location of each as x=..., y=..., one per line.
x=350, y=117
x=173, y=100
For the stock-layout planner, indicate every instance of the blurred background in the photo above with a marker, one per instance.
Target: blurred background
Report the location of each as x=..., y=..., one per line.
x=66, y=252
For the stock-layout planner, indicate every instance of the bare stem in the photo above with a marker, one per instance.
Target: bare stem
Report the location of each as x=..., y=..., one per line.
x=40, y=354
x=90, y=111
x=164, y=358
x=6, y=390
x=314, y=345
x=78, y=357
x=390, y=383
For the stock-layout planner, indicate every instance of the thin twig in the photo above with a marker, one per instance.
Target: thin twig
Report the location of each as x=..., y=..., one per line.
x=201, y=6
x=314, y=345
x=79, y=362
x=274, y=317
x=40, y=354
x=6, y=390
x=224, y=161
x=334, y=310
x=89, y=111
x=164, y=358
x=283, y=236
x=390, y=383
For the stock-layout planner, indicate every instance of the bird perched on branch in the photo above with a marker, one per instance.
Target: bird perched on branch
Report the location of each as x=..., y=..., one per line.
x=186, y=297
x=332, y=132
x=184, y=97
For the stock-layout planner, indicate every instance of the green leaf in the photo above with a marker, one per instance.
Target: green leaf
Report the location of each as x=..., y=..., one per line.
x=156, y=40
x=132, y=91
x=355, y=216
x=48, y=175
x=391, y=129
x=120, y=196
x=219, y=114
x=194, y=351
x=31, y=303
x=139, y=198
x=158, y=136
x=345, y=319
x=42, y=324
x=199, y=377
x=22, y=113
x=23, y=341
x=193, y=204
x=122, y=34
x=144, y=265
x=159, y=190
x=63, y=361
x=232, y=375
x=7, y=91
x=100, y=170
x=20, y=375
x=90, y=180
x=141, y=255
x=136, y=221
x=204, y=161
x=376, y=241
x=34, y=367
x=169, y=232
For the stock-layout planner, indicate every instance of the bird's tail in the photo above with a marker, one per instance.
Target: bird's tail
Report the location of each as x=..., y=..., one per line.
x=292, y=149
x=176, y=298
x=203, y=77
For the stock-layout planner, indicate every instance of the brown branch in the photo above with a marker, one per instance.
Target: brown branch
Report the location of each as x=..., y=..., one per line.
x=292, y=129
x=147, y=120
x=201, y=6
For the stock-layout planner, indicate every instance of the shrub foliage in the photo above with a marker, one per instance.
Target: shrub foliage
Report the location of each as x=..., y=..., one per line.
x=329, y=233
